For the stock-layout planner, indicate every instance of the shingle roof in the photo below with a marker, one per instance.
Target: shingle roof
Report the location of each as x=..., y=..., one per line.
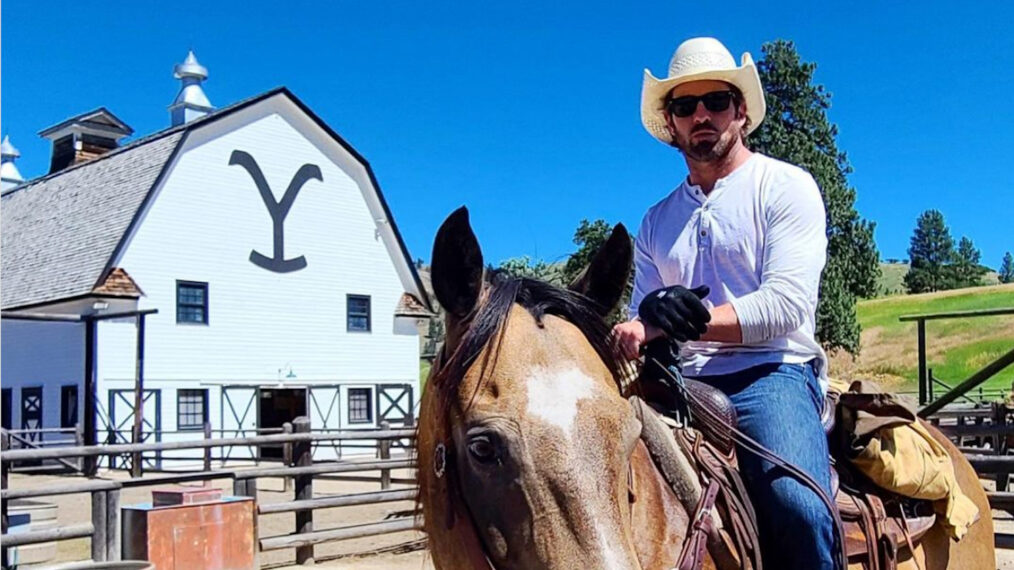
x=60, y=232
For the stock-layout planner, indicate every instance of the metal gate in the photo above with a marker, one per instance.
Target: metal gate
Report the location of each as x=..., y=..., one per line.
x=121, y=425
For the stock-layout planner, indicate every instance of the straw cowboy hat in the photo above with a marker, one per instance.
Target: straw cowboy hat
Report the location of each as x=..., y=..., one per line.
x=697, y=59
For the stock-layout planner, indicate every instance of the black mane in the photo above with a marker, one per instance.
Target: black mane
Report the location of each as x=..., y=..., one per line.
x=539, y=299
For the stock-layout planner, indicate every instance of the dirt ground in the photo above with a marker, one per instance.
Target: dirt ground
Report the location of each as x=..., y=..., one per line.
x=73, y=509
x=399, y=551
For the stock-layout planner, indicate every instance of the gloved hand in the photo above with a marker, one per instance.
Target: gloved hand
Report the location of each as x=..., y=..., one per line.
x=677, y=311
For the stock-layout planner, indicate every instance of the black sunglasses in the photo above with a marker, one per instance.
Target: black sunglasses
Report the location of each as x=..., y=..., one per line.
x=715, y=101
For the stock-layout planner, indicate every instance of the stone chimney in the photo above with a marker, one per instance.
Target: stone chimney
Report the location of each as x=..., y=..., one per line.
x=84, y=137
x=190, y=102
x=9, y=175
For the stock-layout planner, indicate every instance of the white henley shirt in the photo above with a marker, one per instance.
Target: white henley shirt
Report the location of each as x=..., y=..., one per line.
x=759, y=242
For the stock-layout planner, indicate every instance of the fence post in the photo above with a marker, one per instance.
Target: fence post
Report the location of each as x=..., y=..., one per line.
x=99, y=526
x=207, y=450
x=287, y=456
x=303, y=456
x=112, y=507
x=111, y=458
x=385, y=453
x=5, y=444
x=923, y=379
x=79, y=441
x=1000, y=441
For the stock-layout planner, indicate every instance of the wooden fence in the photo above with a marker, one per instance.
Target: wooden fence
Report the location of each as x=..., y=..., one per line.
x=298, y=467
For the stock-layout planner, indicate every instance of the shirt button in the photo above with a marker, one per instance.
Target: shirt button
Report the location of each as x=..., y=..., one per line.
x=704, y=233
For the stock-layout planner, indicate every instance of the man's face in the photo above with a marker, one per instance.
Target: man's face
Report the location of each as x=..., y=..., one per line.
x=704, y=135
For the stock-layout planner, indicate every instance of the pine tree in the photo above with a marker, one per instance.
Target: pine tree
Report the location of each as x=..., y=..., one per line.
x=930, y=252
x=966, y=270
x=1006, y=273
x=796, y=129
x=525, y=266
x=588, y=237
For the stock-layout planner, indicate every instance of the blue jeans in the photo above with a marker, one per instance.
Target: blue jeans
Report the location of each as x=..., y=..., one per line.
x=779, y=406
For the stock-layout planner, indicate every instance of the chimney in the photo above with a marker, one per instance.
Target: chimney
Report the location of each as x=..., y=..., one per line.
x=190, y=102
x=9, y=175
x=84, y=137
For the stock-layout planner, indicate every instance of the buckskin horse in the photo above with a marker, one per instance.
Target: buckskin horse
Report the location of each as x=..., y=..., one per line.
x=529, y=456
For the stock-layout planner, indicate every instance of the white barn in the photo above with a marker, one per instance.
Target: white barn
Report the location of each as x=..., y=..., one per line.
x=261, y=238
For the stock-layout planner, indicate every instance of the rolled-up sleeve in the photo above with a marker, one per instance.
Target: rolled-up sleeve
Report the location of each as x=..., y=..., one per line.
x=795, y=250
x=646, y=275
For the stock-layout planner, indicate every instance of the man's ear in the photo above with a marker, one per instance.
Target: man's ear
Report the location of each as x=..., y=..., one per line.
x=457, y=265
x=605, y=278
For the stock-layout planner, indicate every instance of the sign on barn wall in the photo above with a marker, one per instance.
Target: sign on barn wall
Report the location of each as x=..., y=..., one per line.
x=277, y=209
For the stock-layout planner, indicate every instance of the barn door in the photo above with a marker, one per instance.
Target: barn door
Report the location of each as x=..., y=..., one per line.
x=394, y=405
x=325, y=415
x=31, y=412
x=239, y=419
x=121, y=425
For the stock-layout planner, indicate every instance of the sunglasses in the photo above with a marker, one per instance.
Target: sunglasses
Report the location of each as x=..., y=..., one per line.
x=715, y=101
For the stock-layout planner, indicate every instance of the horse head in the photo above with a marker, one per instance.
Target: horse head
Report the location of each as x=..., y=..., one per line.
x=525, y=441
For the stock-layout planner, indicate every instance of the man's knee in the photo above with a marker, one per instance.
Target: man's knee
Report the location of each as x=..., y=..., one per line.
x=790, y=503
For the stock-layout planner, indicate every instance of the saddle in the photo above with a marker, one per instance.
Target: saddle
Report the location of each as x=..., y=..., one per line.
x=877, y=526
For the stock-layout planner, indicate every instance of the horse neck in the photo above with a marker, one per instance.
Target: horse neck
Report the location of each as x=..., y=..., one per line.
x=659, y=521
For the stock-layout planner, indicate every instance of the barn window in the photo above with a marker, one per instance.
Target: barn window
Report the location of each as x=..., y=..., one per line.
x=360, y=410
x=68, y=406
x=191, y=302
x=191, y=409
x=359, y=313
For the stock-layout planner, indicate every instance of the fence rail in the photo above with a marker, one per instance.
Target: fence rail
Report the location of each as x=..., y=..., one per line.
x=298, y=467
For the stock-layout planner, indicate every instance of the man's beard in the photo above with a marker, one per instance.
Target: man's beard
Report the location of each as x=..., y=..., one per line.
x=707, y=150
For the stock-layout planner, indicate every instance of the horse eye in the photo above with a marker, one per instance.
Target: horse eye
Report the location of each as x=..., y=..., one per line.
x=482, y=449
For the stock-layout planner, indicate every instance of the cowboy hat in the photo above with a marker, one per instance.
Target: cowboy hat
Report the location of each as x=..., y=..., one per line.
x=694, y=60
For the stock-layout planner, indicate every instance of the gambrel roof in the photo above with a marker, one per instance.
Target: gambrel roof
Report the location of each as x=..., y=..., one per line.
x=61, y=233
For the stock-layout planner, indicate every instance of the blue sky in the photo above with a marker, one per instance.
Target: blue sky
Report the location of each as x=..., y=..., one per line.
x=528, y=113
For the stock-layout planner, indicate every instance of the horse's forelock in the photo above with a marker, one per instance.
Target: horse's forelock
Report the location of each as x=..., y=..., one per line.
x=539, y=299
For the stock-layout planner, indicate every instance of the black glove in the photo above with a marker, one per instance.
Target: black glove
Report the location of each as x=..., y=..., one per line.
x=677, y=311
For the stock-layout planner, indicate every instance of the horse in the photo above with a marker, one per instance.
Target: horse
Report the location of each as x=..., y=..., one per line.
x=529, y=456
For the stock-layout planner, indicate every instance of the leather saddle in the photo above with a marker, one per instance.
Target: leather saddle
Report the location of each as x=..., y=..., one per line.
x=878, y=526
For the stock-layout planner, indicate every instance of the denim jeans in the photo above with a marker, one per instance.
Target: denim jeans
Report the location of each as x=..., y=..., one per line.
x=779, y=406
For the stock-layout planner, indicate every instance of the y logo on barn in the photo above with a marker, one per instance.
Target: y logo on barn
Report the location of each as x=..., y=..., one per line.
x=278, y=210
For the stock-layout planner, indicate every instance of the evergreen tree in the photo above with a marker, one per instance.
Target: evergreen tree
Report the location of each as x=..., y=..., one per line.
x=796, y=129
x=588, y=237
x=930, y=252
x=525, y=266
x=966, y=270
x=1006, y=273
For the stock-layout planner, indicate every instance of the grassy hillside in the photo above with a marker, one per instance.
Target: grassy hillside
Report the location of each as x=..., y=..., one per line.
x=956, y=348
x=892, y=279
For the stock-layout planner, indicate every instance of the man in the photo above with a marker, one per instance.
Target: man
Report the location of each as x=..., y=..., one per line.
x=729, y=265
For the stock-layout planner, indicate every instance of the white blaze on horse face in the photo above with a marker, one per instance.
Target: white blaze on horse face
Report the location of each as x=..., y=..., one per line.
x=553, y=395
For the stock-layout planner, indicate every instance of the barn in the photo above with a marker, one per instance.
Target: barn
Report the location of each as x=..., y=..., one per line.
x=241, y=267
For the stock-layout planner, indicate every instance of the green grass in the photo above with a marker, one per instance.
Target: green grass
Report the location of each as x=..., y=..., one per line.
x=892, y=279
x=424, y=372
x=885, y=312
x=957, y=347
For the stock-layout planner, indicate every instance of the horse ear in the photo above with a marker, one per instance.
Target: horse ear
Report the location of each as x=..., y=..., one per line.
x=457, y=265
x=605, y=278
